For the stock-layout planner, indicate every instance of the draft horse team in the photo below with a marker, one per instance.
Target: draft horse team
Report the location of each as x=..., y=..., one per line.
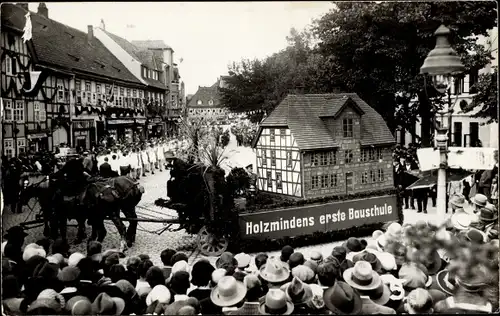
x=71, y=193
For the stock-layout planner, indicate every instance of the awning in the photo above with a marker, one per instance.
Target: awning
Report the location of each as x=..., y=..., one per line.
x=430, y=178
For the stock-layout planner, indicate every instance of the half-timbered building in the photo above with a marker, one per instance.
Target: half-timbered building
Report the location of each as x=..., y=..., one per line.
x=322, y=145
x=56, y=87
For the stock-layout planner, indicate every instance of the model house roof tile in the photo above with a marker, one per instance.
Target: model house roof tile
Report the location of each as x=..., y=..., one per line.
x=62, y=46
x=301, y=114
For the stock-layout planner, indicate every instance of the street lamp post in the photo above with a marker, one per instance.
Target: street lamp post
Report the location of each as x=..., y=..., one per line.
x=442, y=64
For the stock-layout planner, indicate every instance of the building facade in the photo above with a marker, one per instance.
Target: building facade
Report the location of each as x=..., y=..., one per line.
x=151, y=62
x=323, y=145
x=62, y=86
x=206, y=102
x=466, y=129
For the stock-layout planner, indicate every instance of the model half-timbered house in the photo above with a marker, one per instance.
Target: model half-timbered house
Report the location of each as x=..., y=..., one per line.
x=322, y=145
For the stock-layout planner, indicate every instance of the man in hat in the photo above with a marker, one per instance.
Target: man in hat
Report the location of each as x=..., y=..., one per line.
x=488, y=221
x=252, y=180
x=88, y=164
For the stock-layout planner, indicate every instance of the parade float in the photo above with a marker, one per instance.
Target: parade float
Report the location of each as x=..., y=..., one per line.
x=323, y=173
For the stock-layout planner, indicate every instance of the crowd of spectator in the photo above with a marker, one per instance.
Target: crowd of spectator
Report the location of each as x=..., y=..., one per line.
x=394, y=271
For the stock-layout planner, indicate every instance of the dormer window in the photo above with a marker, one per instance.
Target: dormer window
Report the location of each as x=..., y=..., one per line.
x=347, y=127
x=199, y=102
x=211, y=102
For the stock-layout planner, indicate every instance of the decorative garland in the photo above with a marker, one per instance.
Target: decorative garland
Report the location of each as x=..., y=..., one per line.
x=238, y=244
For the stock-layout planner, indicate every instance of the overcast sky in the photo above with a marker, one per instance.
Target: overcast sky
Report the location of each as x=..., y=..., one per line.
x=206, y=35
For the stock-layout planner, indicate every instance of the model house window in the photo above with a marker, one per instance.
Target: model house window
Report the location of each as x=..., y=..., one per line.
x=282, y=133
x=21, y=145
x=348, y=156
x=134, y=93
x=210, y=102
x=271, y=131
x=314, y=182
x=122, y=92
x=371, y=154
x=199, y=102
x=347, y=127
x=379, y=153
x=19, y=112
x=289, y=159
x=264, y=157
x=279, y=183
x=364, y=177
x=88, y=86
x=324, y=181
x=332, y=157
x=373, y=176
x=380, y=175
x=8, y=148
x=78, y=85
x=8, y=65
x=333, y=180
x=269, y=180
x=324, y=158
x=98, y=88
x=363, y=154
x=8, y=110
x=273, y=158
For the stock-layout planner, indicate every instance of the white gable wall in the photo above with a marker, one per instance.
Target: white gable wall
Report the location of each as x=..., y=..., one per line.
x=133, y=65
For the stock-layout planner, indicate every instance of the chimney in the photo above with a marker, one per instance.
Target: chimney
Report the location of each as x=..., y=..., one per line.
x=42, y=10
x=23, y=5
x=90, y=33
x=102, y=25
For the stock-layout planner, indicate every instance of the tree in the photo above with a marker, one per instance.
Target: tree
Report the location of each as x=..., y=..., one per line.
x=377, y=49
x=485, y=102
x=260, y=85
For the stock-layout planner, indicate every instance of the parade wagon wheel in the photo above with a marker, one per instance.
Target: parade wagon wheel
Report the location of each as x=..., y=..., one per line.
x=211, y=245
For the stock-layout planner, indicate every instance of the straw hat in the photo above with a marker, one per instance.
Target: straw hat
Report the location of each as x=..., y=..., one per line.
x=394, y=231
x=362, y=276
x=274, y=271
x=275, y=303
x=461, y=221
x=457, y=200
x=228, y=292
x=243, y=260
x=479, y=200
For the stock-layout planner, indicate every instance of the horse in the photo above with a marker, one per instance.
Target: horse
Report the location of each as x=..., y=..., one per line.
x=106, y=198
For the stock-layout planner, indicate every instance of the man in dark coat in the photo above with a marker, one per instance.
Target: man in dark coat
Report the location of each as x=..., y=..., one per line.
x=105, y=169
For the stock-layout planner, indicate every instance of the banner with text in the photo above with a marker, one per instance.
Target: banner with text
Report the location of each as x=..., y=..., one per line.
x=308, y=219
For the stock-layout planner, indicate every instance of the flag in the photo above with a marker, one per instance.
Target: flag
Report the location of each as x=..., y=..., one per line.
x=110, y=96
x=33, y=81
x=27, y=29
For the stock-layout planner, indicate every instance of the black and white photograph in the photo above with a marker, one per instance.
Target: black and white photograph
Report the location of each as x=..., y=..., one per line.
x=249, y=158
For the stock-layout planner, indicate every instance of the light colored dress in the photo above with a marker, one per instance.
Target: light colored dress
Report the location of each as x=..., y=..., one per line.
x=160, y=152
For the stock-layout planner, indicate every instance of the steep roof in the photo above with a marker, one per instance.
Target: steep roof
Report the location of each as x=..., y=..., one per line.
x=301, y=114
x=145, y=56
x=205, y=94
x=59, y=45
x=152, y=44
